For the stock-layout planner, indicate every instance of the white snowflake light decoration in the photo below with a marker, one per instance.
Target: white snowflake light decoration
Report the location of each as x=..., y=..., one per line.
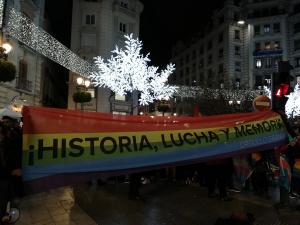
x=292, y=106
x=127, y=70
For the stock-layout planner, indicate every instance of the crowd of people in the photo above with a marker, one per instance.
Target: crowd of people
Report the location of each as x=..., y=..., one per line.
x=255, y=172
x=11, y=185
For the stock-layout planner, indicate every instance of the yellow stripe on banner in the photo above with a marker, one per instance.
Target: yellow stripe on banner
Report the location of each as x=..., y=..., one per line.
x=152, y=136
x=240, y=130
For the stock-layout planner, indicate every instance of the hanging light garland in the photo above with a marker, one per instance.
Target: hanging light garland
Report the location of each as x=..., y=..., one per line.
x=208, y=93
x=1, y=12
x=22, y=29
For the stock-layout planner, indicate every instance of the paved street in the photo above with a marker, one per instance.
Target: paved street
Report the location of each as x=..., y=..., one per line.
x=168, y=203
x=164, y=203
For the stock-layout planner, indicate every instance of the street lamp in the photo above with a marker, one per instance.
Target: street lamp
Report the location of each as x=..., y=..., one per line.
x=4, y=50
x=241, y=22
x=82, y=95
x=7, y=69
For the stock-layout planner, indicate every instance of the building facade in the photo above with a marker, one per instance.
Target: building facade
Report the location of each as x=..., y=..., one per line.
x=26, y=88
x=241, y=46
x=97, y=26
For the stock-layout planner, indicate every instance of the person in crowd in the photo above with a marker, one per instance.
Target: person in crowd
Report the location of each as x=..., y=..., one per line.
x=13, y=142
x=10, y=165
x=259, y=177
x=217, y=173
x=293, y=156
x=285, y=156
x=134, y=186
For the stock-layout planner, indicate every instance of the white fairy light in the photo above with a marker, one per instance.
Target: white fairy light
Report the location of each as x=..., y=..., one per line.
x=208, y=93
x=1, y=12
x=22, y=29
x=127, y=70
x=292, y=106
x=267, y=91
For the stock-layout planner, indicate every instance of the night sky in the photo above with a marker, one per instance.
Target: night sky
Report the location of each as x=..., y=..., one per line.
x=163, y=23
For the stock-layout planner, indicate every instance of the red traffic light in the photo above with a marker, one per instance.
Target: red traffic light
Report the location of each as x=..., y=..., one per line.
x=282, y=90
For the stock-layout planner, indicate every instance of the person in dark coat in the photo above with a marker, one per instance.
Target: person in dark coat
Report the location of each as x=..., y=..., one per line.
x=10, y=165
x=217, y=174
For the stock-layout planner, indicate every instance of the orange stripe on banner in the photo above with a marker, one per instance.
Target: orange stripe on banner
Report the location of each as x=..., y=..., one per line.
x=42, y=120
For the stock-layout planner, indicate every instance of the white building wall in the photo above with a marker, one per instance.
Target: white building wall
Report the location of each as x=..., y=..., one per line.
x=28, y=89
x=104, y=35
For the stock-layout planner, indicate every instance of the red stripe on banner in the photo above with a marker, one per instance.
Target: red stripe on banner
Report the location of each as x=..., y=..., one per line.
x=50, y=120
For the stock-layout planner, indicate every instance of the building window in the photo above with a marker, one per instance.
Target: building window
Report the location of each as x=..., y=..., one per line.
x=122, y=27
x=181, y=62
x=267, y=28
x=194, y=67
x=220, y=70
x=221, y=52
x=221, y=20
x=258, y=81
x=194, y=79
x=257, y=46
x=181, y=73
x=257, y=29
x=267, y=45
x=236, y=16
x=220, y=38
x=257, y=63
x=236, y=34
x=201, y=63
x=277, y=45
x=209, y=60
x=90, y=19
x=201, y=50
x=268, y=63
x=23, y=70
x=187, y=58
x=209, y=45
x=297, y=44
x=209, y=73
x=296, y=28
x=237, y=66
x=297, y=60
x=194, y=54
x=187, y=81
x=201, y=77
x=187, y=71
x=276, y=27
x=124, y=4
x=237, y=50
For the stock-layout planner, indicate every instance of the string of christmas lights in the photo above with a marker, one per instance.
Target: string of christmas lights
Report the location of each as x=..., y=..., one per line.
x=1, y=12
x=208, y=93
x=22, y=29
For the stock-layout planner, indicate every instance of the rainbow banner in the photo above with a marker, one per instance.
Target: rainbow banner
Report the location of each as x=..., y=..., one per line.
x=296, y=170
x=61, y=143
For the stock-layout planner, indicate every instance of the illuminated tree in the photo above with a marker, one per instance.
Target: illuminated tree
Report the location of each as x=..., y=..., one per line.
x=127, y=70
x=292, y=107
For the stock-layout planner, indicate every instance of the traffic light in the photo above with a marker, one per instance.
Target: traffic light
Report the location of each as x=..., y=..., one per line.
x=280, y=85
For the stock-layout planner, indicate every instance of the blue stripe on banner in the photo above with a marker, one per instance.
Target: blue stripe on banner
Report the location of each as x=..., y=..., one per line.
x=158, y=158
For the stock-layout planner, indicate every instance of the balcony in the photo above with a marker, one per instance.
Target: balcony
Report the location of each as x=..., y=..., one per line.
x=267, y=52
x=23, y=84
